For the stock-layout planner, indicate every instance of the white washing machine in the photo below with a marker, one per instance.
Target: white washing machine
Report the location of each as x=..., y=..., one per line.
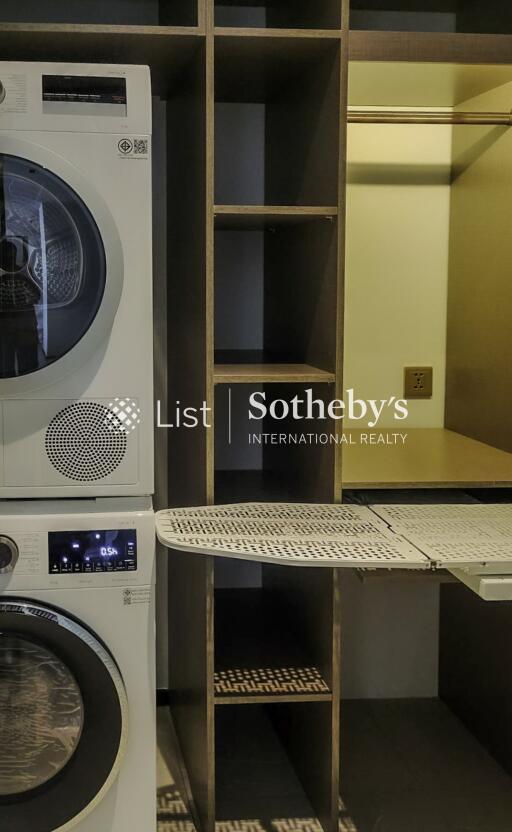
x=77, y=666
x=76, y=364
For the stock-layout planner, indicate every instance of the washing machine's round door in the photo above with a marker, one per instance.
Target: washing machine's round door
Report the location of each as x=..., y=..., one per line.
x=63, y=719
x=61, y=268
x=52, y=267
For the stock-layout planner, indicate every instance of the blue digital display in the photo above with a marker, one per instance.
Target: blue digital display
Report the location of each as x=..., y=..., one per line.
x=107, y=550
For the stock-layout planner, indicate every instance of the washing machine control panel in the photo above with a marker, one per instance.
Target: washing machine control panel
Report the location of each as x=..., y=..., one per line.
x=89, y=552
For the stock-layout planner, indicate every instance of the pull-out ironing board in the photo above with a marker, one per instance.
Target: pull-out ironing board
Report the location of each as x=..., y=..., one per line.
x=472, y=541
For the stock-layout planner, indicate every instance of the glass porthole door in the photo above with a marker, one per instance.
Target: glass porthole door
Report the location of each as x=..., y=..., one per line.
x=63, y=719
x=52, y=267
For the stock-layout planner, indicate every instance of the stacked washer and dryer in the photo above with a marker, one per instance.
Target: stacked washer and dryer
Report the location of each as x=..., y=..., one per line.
x=77, y=675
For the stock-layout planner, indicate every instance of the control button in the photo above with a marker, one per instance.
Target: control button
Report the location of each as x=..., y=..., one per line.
x=2, y=92
x=8, y=554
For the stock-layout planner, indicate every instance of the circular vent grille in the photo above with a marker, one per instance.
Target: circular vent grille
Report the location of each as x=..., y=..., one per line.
x=86, y=441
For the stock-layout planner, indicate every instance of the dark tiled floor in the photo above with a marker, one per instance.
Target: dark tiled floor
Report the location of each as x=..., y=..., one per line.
x=408, y=766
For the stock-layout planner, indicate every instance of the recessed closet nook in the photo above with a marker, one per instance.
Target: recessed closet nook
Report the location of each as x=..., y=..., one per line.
x=427, y=268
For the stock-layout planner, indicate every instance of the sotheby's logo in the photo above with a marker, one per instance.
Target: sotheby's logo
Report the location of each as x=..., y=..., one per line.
x=305, y=408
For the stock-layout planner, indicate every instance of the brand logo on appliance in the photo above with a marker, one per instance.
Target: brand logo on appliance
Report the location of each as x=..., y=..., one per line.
x=125, y=146
x=133, y=147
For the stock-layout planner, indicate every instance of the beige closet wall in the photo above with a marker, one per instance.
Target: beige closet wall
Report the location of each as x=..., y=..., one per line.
x=398, y=205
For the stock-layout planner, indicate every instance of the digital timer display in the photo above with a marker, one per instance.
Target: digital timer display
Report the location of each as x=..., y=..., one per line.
x=106, y=550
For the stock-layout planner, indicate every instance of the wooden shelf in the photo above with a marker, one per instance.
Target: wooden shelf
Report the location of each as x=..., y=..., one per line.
x=405, y=5
x=258, y=656
x=417, y=47
x=270, y=373
x=289, y=34
x=166, y=49
x=431, y=457
x=258, y=217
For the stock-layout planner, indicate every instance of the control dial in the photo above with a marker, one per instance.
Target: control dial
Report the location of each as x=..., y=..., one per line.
x=8, y=554
x=2, y=92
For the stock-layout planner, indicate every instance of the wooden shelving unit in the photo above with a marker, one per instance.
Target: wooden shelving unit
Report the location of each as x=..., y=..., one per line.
x=275, y=647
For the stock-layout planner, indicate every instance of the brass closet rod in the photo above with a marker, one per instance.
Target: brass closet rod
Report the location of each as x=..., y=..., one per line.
x=414, y=117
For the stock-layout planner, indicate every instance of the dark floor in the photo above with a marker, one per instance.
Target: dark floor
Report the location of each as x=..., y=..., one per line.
x=408, y=766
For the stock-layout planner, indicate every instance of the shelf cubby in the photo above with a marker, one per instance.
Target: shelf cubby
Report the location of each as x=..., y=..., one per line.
x=114, y=13
x=274, y=654
x=276, y=300
x=279, y=14
x=290, y=155
x=259, y=657
x=250, y=464
x=277, y=771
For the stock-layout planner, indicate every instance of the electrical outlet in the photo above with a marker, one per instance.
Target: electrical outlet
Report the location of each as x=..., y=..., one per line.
x=418, y=382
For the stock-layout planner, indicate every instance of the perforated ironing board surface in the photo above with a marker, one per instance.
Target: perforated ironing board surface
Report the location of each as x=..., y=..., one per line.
x=475, y=536
x=290, y=533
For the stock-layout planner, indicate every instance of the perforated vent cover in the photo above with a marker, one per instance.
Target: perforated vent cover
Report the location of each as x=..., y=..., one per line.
x=86, y=441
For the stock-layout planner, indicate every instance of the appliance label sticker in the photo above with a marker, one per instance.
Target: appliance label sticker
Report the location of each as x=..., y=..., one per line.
x=133, y=147
x=136, y=596
x=14, y=98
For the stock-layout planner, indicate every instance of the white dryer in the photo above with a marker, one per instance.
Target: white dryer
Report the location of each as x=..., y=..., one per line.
x=76, y=369
x=77, y=666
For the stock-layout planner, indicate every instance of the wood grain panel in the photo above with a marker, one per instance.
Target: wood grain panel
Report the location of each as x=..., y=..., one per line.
x=475, y=672
x=322, y=14
x=430, y=46
x=310, y=732
x=168, y=51
x=187, y=303
x=479, y=369
x=303, y=134
x=209, y=355
x=191, y=586
x=300, y=294
x=178, y=12
x=268, y=373
x=430, y=458
x=341, y=231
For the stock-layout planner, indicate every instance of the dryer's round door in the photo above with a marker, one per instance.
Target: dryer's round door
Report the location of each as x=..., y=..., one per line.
x=52, y=267
x=63, y=719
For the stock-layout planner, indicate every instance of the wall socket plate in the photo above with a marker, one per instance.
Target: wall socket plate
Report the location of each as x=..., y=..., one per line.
x=418, y=382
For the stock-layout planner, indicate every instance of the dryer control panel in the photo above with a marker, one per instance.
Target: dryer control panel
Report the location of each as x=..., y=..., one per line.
x=87, y=552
